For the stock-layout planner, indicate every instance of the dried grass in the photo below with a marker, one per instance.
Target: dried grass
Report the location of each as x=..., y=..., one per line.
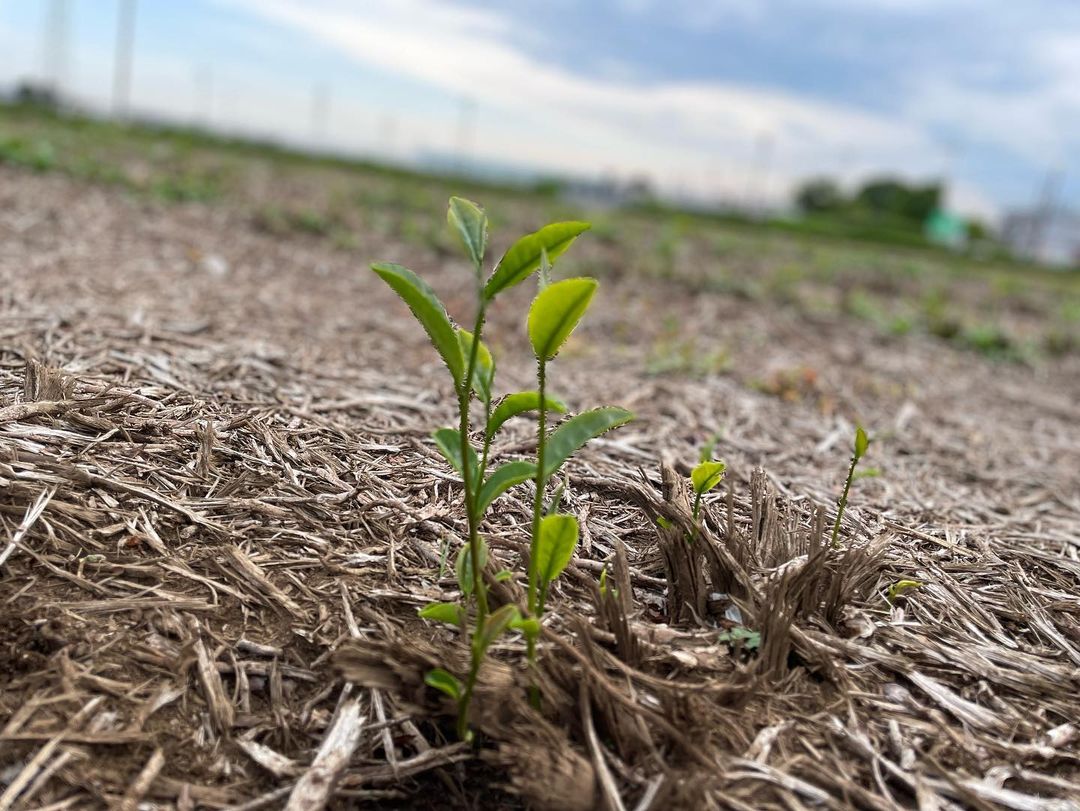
x=218, y=496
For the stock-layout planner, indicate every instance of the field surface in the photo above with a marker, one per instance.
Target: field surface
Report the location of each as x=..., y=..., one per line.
x=221, y=507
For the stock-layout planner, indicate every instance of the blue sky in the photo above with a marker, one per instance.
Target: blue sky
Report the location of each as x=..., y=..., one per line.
x=733, y=99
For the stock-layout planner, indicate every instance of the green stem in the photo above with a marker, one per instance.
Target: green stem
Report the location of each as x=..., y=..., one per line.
x=487, y=449
x=472, y=489
x=536, y=607
x=696, y=513
x=472, y=482
x=842, y=504
x=541, y=481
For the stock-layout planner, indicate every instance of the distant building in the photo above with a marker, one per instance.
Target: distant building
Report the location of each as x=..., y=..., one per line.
x=1052, y=238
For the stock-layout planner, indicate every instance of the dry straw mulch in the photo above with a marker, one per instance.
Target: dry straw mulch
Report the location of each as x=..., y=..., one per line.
x=221, y=511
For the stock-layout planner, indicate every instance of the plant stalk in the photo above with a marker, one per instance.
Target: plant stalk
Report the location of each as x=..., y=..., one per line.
x=472, y=489
x=536, y=607
x=841, y=505
x=541, y=482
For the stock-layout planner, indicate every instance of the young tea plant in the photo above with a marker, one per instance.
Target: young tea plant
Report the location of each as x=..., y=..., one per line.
x=471, y=365
x=707, y=475
x=862, y=442
x=555, y=312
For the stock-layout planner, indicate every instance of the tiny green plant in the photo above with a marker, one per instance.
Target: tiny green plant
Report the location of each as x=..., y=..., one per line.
x=705, y=477
x=900, y=588
x=554, y=314
x=862, y=442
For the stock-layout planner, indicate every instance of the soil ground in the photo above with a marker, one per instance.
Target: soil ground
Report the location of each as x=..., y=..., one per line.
x=226, y=429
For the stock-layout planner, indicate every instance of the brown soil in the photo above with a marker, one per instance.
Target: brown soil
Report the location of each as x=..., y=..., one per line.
x=227, y=434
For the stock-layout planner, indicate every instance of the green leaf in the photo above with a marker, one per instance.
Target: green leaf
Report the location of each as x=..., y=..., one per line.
x=484, y=373
x=556, y=500
x=449, y=443
x=708, y=448
x=514, y=404
x=504, y=477
x=555, y=546
x=463, y=567
x=529, y=626
x=545, y=271
x=469, y=222
x=450, y=613
x=526, y=254
x=555, y=312
x=751, y=640
x=862, y=442
x=496, y=624
x=444, y=682
x=576, y=431
x=429, y=311
x=707, y=475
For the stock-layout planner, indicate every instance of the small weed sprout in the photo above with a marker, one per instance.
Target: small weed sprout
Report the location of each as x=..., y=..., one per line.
x=862, y=442
x=900, y=588
x=554, y=313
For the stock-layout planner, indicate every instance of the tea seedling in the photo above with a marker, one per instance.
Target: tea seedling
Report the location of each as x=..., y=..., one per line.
x=705, y=477
x=862, y=442
x=554, y=314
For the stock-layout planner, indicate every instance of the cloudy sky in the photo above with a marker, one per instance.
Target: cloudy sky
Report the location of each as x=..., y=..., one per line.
x=737, y=99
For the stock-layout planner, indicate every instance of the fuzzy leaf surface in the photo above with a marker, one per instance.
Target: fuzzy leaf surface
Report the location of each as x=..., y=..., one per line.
x=463, y=567
x=450, y=613
x=707, y=475
x=496, y=624
x=429, y=311
x=526, y=254
x=504, y=477
x=862, y=442
x=565, y=440
x=520, y=402
x=555, y=545
x=444, y=682
x=448, y=441
x=469, y=222
x=556, y=311
x=484, y=373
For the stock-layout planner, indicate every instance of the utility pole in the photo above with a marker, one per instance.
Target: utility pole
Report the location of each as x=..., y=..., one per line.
x=320, y=113
x=389, y=137
x=1045, y=211
x=54, y=46
x=466, y=130
x=203, y=110
x=757, y=180
x=125, y=46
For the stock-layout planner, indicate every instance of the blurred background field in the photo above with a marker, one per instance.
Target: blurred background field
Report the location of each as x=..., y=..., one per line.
x=993, y=304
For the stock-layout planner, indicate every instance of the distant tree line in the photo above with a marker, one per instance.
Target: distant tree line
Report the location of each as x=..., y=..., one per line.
x=886, y=198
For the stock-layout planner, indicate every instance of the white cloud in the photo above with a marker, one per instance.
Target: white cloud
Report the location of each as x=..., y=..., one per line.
x=537, y=112
x=1035, y=117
